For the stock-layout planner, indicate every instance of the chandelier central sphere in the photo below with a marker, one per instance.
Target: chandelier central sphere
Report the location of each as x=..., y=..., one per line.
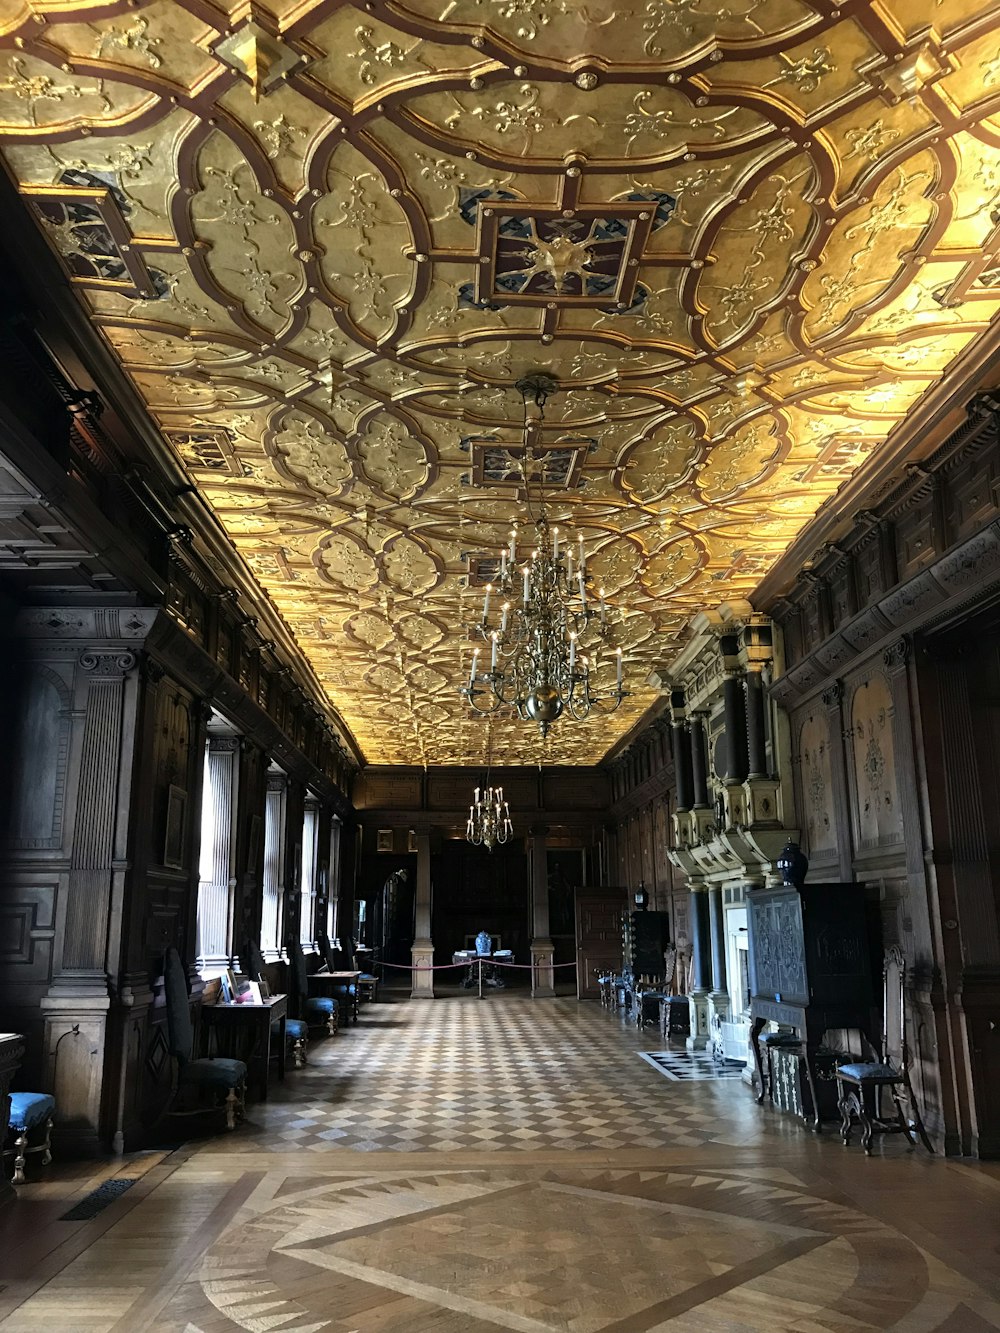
x=544, y=631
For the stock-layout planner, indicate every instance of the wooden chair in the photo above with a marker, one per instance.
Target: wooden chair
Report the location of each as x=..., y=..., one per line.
x=296, y=1029
x=314, y=1010
x=30, y=1117
x=649, y=994
x=210, y=1074
x=368, y=981
x=861, y=1084
x=338, y=960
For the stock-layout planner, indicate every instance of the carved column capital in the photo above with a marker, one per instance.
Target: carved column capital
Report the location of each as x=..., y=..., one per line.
x=202, y=711
x=833, y=695
x=897, y=654
x=113, y=662
x=152, y=670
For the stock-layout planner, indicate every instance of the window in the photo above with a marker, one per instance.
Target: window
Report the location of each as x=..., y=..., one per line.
x=216, y=871
x=274, y=866
x=307, y=886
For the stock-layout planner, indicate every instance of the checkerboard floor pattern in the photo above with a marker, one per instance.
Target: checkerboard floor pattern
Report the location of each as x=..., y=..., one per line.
x=690, y=1066
x=503, y=1073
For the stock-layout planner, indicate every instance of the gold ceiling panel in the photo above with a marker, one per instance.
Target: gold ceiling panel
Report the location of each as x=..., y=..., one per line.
x=325, y=239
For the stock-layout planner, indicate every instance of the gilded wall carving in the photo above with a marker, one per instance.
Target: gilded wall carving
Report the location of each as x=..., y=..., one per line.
x=324, y=241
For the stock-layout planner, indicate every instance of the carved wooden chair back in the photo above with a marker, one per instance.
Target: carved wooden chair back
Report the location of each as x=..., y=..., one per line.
x=251, y=960
x=180, y=1029
x=670, y=970
x=894, y=1047
x=299, y=976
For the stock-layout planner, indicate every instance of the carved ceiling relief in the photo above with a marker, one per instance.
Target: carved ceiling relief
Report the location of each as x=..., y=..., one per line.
x=877, y=814
x=324, y=242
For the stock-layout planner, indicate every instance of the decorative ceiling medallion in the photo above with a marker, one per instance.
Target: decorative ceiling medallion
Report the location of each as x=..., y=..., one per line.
x=208, y=450
x=584, y=256
x=86, y=227
x=557, y=464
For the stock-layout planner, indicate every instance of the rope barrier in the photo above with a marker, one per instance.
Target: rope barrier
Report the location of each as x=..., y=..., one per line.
x=444, y=967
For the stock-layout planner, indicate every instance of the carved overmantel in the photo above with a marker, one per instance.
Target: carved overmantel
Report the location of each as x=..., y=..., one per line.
x=733, y=783
x=719, y=684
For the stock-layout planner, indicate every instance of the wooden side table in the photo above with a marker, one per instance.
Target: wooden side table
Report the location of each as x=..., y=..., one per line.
x=333, y=983
x=243, y=1032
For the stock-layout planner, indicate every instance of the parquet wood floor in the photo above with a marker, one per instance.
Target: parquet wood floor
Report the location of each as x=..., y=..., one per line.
x=463, y=1167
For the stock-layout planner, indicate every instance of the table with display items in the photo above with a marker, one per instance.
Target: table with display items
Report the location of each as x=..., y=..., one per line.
x=482, y=970
x=244, y=1032
x=339, y=985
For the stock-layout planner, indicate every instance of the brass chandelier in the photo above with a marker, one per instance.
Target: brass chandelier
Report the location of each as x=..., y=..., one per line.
x=542, y=621
x=489, y=821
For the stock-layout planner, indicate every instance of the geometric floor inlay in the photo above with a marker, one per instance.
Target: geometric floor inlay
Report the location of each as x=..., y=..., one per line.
x=566, y=1250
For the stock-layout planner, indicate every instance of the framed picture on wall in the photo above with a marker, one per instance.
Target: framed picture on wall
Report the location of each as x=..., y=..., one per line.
x=173, y=835
x=384, y=840
x=411, y=840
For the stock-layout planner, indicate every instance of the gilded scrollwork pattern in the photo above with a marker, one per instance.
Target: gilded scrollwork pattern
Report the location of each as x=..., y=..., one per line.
x=325, y=240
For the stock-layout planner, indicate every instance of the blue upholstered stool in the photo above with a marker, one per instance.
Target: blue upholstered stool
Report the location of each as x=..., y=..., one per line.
x=322, y=1010
x=647, y=1006
x=30, y=1112
x=297, y=1036
x=368, y=986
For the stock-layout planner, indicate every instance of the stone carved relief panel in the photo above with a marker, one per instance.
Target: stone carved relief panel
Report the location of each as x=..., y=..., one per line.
x=877, y=815
x=816, y=798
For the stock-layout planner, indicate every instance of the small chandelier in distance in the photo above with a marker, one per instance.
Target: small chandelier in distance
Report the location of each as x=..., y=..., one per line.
x=544, y=649
x=489, y=819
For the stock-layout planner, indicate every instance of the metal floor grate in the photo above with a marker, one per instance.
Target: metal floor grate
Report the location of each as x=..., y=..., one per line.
x=98, y=1199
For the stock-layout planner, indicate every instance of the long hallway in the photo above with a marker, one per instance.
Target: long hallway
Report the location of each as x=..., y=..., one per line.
x=459, y=1167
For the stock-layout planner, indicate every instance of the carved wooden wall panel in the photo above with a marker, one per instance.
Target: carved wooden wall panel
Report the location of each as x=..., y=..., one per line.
x=876, y=812
x=814, y=785
x=661, y=843
x=750, y=238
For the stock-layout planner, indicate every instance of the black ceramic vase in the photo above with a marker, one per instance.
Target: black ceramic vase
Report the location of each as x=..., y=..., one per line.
x=793, y=864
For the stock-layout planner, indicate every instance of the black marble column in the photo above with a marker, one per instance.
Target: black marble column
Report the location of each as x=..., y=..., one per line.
x=718, y=934
x=734, y=702
x=701, y=950
x=756, y=735
x=682, y=765
x=699, y=762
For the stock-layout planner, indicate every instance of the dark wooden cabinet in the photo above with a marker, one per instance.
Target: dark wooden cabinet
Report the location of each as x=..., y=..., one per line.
x=810, y=965
x=645, y=935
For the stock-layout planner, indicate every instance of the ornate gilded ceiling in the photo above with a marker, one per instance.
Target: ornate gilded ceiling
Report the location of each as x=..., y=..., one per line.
x=325, y=239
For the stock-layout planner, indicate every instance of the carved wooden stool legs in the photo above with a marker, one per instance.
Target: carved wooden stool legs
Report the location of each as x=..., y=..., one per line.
x=20, y=1145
